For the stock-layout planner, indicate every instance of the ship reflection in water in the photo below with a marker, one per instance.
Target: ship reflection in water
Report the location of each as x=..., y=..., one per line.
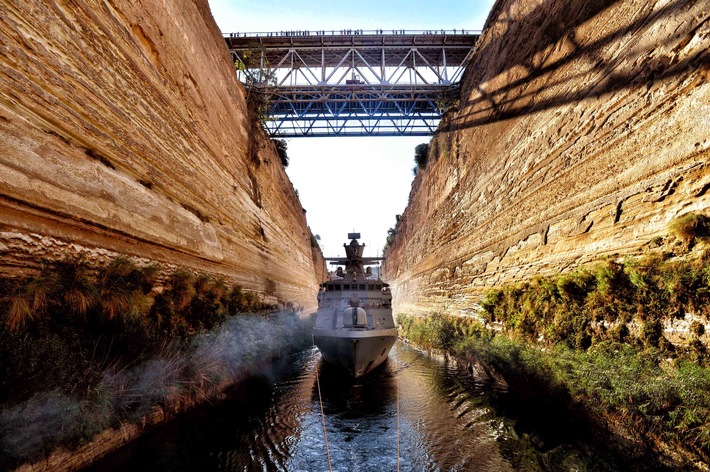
x=272, y=421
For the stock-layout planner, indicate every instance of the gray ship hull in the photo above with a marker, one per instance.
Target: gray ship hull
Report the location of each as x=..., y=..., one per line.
x=358, y=352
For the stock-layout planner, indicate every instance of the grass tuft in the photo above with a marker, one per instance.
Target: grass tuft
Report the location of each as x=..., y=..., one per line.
x=689, y=227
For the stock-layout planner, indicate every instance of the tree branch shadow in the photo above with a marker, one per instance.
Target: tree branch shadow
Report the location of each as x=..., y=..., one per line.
x=525, y=95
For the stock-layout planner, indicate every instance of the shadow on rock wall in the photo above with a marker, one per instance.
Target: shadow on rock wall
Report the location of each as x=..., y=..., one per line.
x=540, y=88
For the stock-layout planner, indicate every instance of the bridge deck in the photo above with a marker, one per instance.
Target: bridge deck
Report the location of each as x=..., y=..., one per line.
x=381, y=49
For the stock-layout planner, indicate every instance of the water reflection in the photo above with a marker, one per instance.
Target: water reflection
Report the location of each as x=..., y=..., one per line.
x=272, y=421
x=361, y=422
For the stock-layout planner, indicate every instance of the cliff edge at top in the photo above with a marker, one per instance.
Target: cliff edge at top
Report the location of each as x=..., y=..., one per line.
x=125, y=130
x=582, y=131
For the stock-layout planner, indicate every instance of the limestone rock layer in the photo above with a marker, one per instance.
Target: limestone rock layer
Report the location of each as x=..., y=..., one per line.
x=124, y=130
x=583, y=129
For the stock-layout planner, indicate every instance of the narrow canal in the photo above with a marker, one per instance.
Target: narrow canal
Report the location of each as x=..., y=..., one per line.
x=448, y=421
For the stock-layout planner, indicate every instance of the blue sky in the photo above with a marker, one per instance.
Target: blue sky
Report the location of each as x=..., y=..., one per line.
x=348, y=183
x=276, y=15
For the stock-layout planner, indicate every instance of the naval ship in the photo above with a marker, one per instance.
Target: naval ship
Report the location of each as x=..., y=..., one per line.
x=354, y=327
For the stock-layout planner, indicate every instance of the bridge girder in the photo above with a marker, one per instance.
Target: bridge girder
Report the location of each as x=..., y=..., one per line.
x=352, y=84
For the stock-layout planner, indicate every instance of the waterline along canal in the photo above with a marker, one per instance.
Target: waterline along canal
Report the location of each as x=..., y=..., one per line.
x=448, y=421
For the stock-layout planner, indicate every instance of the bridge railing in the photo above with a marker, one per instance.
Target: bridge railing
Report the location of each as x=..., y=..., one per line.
x=349, y=32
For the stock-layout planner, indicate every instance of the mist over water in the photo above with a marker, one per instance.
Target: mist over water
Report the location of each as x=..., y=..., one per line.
x=272, y=421
x=240, y=347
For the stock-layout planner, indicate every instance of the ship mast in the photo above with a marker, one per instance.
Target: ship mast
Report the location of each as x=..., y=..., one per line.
x=353, y=261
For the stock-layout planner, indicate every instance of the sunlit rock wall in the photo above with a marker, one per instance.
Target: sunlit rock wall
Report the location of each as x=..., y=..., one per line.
x=583, y=129
x=123, y=130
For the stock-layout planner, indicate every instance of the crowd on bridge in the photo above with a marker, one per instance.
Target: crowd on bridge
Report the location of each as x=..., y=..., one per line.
x=346, y=32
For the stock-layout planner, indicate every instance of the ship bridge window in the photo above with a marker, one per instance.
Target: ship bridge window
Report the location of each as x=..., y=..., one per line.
x=379, y=287
x=336, y=287
x=362, y=286
x=371, y=287
x=346, y=286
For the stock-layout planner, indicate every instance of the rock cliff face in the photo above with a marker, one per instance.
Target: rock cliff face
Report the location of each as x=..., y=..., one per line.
x=582, y=131
x=124, y=130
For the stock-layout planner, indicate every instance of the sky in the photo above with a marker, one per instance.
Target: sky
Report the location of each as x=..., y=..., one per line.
x=350, y=184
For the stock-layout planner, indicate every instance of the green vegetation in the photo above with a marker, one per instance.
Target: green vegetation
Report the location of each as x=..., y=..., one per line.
x=281, y=147
x=315, y=239
x=72, y=313
x=637, y=389
x=449, y=100
x=421, y=155
x=391, y=234
x=600, y=303
x=690, y=227
x=85, y=347
x=596, y=335
x=257, y=76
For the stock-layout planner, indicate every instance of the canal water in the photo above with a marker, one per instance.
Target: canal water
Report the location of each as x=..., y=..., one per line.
x=431, y=410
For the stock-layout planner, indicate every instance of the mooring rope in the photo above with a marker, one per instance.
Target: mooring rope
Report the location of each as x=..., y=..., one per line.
x=322, y=414
x=396, y=382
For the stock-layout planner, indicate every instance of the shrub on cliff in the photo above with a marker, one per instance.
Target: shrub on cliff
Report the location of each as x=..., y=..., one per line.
x=391, y=234
x=690, y=227
x=61, y=287
x=209, y=306
x=189, y=303
x=421, y=155
x=449, y=100
x=123, y=288
x=595, y=304
x=257, y=74
x=281, y=149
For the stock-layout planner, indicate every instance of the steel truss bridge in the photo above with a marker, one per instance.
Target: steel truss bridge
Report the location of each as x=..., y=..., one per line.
x=352, y=82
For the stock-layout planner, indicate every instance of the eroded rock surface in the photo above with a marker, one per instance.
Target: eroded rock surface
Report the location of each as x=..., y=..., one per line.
x=583, y=129
x=124, y=130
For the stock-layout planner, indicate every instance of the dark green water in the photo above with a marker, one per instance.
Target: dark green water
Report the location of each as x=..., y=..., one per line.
x=448, y=421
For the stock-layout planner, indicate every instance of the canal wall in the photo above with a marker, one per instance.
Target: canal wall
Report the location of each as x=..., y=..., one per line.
x=581, y=132
x=125, y=131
